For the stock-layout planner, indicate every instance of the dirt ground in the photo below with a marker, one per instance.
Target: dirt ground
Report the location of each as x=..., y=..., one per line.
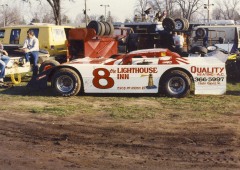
x=31, y=141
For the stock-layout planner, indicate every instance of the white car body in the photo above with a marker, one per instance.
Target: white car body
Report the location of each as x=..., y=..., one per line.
x=143, y=75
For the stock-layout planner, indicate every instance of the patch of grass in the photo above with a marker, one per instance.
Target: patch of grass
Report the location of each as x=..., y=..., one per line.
x=121, y=106
x=54, y=110
x=131, y=112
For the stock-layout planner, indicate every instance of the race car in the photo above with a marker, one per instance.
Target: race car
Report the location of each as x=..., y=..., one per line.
x=142, y=71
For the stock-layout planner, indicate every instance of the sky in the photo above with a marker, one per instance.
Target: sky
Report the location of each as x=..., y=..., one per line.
x=120, y=9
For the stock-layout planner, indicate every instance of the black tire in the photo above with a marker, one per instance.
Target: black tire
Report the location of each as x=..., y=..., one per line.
x=96, y=26
x=66, y=82
x=111, y=28
x=107, y=28
x=47, y=64
x=200, y=33
x=179, y=24
x=168, y=24
x=221, y=40
x=186, y=24
x=176, y=84
x=103, y=29
x=199, y=49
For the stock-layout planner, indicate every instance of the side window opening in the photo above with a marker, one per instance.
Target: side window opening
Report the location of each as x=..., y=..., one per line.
x=58, y=34
x=2, y=32
x=15, y=35
x=36, y=31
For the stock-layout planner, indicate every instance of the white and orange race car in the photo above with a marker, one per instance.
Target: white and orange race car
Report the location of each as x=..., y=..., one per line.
x=142, y=71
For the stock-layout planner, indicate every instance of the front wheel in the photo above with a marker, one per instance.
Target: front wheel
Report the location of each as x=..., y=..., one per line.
x=66, y=82
x=176, y=84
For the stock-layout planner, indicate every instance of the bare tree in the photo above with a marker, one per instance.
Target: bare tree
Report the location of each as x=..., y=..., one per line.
x=189, y=7
x=141, y=6
x=216, y=14
x=157, y=5
x=228, y=9
x=12, y=16
x=164, y=5
x=174, y=8
x=48, y=18
x=56, y=7
x=80, y=18
x=42, y=14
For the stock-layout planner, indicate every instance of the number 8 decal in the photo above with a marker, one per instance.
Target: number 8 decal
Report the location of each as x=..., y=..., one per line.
x=105, y=76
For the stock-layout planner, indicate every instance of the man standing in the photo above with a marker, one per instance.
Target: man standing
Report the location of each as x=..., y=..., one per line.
x=31, y=49
x=178, y=42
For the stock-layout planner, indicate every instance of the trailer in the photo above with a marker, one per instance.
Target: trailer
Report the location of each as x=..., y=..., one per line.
x=15, y=67
x=95, y=41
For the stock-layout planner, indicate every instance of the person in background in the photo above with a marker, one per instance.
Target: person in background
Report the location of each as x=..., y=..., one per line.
x=31, y=49
x=166, y=40
x=178, y=42
x=4, y=59
x=174, y=36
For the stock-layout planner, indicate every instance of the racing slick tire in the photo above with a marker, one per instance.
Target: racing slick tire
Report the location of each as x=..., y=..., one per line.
x=186, y=24
x=199, y=49
x=109, y=28
x=176, y=84
x=97, y=26
x=179, y=24
x=48, y=64
x=168, y=24
x=66, y=82
x=103, y=29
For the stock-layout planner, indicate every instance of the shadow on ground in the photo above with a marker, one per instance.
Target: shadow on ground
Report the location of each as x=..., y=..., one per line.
x=26, y=91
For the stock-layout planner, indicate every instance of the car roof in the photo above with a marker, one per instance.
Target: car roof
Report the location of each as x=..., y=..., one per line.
x=39, y=25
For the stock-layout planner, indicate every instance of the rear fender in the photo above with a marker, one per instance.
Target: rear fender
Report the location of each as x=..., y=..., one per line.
x=40, y=81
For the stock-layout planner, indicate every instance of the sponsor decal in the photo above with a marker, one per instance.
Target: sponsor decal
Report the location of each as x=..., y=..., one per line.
x=122, y=74
x=41, y=77
x=208, y=71
x=137, y=70
x=209, y=80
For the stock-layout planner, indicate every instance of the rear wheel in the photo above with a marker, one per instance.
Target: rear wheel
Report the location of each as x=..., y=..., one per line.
x=66, y=82
x=176, y=84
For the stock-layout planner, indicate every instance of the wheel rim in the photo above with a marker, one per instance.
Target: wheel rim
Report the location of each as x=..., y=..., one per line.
x=64, y=83
x=176, y=85
x=178, y=25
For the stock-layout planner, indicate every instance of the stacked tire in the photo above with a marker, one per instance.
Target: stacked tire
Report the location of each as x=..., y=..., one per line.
x=101, y=28
x=178, y=24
